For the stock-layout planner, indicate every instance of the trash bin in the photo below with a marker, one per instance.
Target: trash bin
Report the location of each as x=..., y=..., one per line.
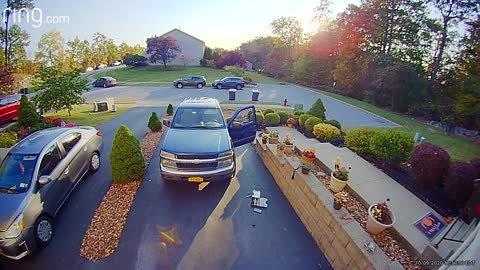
x=231, y=94
x=24, y=91
x=114, y=107
x=255, y=94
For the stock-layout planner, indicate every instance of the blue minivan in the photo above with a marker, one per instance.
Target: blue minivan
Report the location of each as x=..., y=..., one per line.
x=199, y=145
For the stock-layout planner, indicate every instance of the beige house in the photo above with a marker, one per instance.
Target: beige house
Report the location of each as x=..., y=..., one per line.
x=192, y=49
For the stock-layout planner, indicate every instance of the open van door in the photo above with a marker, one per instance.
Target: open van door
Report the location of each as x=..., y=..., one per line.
x=243, y=126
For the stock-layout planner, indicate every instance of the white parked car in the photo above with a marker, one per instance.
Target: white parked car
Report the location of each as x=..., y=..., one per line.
x=88, y=69
x=116, y=63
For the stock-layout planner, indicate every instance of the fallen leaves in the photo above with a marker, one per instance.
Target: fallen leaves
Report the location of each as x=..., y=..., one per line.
x=105, y=230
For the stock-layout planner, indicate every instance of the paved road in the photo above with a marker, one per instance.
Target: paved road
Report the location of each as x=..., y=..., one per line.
x=161, y=96
x=214, y=228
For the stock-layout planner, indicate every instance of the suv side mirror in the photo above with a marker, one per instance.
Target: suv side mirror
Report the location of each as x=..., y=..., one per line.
x=44, y=179
x=166, y=122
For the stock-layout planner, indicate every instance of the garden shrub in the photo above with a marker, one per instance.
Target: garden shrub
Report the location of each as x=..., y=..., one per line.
x=359, y=140
x=459, y=183
x=298, y=112
x=476, y=165
x=272, y=119
x=283, y=117
x=8, y=139
x=27, y=114
x=203, y=62
x=312, y=121
x=392, y=146
x=429, y=165
x=326, y=132
x=170, y=109
x=297, y=118
x=260, y=118
x=267, y=111
x=302, y=119
x=154, y=123
x=126, y=158
x=317, y=109
x=334, y=123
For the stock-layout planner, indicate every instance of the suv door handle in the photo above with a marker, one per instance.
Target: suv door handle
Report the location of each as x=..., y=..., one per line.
x=67, y=170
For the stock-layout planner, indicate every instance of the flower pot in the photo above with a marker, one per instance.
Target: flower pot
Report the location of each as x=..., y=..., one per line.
x=305, y=170
x=264, y=141
x=336, y=185
x=336, y=205
x=308, y=159
x=290, y=125
x=280, y=153
x=374, y=226
x=289, y=149
x=273, y=140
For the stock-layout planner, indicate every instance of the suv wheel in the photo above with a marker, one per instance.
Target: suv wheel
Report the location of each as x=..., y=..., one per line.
x=104, y=85
x=179, y=85
x=219, y=86
x=239, y=86
x=43, y=231
x=200, y=85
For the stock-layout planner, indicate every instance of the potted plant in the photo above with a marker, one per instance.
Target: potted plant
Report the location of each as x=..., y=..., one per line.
x=288, y=144
x=338, y=179
x=273, y=137
x=308, y=155
x=280, y=149
x=264, y=138
x=340, y=199
x=306, y=167
x=291, y=122
x=379, y=218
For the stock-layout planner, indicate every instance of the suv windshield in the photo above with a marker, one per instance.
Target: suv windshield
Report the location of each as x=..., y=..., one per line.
x=16, y=172
x=198, y=118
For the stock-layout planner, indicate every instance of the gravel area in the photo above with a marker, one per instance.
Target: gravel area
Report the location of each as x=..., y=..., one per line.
x=105, y=230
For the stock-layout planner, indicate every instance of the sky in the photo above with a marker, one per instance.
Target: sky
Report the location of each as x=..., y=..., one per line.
x=220, y=23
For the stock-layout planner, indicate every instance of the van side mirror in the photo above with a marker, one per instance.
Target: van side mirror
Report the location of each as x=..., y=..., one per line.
x=166, y=122
x=44, y=179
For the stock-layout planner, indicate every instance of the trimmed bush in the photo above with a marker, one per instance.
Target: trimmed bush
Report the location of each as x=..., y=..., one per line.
x=476, y=165
x=312, y=121
x=272, y=119
x=459, y=183
x=283, y=117
x=27, y=114
x=317, y=109
x=359, y=140
x=126, y=158
x=334, y=123
x=154, y=123
x=326, y=132
x=260, y=117
x=302, y=119
x=8, y=139
x=392, y=146
x=297, y=119
x=170, y=109
x=298, y=112
x=267, y=111
x=429, y=165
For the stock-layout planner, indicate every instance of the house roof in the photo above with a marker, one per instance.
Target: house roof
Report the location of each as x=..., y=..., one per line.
x=183, y=33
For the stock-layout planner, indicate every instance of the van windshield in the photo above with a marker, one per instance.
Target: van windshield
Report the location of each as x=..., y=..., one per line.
x=16, y=173
x=198, y=118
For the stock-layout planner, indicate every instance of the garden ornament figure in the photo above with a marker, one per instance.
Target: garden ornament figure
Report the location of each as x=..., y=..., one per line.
x=285, y=102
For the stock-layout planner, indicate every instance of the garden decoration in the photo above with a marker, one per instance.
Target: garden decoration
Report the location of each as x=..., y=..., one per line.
x=379, y=218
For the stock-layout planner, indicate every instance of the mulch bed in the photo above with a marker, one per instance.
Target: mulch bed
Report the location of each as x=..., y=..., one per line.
x=105, y=230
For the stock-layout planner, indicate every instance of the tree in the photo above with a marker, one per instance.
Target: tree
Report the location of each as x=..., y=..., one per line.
x=79, y=54
x=50, y=50
x=62, y=89
x=126, y=158
x=257, y=50
x=288, y=30
x=104, y=49
x=7, y=81
x=18, y=5
x=27, y=114
x=154, y=123
x=17, y=41
x=124, y=49
x=451, y=11
x=163, y=49
x=279, y=63
x=230, y=58
x=323, y=13
x=208, y=53
x=133, y=60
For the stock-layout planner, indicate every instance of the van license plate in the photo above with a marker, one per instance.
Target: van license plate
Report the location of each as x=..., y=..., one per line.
x=195, y=179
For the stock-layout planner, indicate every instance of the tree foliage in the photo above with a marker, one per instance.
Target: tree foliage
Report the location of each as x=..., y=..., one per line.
x=17, y=41
x=256, y=51
x=288, y=31
x=134, y=60
x=50, y=50
x=27, y=114
x=7, y=81
x=163, y=49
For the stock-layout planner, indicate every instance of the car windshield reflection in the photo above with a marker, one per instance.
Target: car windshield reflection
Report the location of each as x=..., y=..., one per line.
x=198, y=118
x=16, y=173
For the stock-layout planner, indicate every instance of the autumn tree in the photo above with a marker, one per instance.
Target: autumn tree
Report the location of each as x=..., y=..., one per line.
x=104, y=49
x=50, y=50
x=163, y=49
x=79, y=54
x=257, y=50
x=288, y=31
x=230, y=58
x=124, y=49
x=7, y=81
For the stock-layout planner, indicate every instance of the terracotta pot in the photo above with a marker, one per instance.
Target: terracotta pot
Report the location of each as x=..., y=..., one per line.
x=336, y=205
x=336, y=185
x=376, y=227
x=273, y=140
x=289, y=149
x=308, y=159
x=305, y=170
x=280, y=153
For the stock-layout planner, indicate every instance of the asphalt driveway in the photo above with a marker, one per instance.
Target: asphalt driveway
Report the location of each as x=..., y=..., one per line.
x=163, y=95
x=176, y=226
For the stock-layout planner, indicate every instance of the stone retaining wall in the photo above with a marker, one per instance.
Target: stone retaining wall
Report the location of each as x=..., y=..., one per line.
x=342, y=241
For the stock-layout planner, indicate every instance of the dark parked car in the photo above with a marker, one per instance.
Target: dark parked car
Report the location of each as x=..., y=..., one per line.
x=199, y=146
x=229, y=82
x=104, y=82
x=9, y=107
x=36, y=177
x=197, y=81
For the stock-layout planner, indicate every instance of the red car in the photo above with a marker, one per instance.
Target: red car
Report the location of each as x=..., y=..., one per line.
x=9, y=107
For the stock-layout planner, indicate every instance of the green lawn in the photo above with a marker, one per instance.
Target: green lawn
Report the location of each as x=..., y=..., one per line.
x=157, y=75
x=458, y=147
x=83, y=115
